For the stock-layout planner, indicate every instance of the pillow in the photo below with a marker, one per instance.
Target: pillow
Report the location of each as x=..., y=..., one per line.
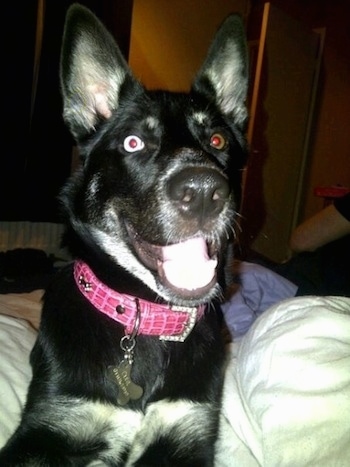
x=16, y=340
x=287, y=390
x=19, y=318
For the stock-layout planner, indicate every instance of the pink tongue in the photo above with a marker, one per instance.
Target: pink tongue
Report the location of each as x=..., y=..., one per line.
x=187, y=265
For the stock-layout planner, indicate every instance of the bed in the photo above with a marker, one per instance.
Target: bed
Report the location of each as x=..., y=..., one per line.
x=287, y=388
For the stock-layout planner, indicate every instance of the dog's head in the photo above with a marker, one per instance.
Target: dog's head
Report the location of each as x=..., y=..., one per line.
x=159, y=186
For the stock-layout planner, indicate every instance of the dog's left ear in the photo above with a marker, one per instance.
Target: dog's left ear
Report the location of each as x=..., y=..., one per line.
x=224, y=75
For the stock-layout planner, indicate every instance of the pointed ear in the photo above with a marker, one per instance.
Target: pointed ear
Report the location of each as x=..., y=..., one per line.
x=224, y=75
x=92, y=71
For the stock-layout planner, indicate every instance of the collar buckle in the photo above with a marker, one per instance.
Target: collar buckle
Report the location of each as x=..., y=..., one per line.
x=191, y=321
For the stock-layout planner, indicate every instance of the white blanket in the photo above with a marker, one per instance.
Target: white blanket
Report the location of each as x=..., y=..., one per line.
x=287, y=389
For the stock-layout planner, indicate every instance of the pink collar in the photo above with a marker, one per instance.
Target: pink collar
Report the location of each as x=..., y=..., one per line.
x=171, y=323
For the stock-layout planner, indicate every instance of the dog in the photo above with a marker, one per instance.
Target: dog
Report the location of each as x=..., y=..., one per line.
x=129, y=362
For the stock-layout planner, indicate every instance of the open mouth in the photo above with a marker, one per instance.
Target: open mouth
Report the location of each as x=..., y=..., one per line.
x=188, y=268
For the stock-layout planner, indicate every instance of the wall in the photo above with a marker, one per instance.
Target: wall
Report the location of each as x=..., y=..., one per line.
x=329, y=159
x=169, y=39
x=277, y=133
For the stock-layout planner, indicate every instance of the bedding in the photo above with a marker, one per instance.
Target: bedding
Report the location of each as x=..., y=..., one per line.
x=287, y=388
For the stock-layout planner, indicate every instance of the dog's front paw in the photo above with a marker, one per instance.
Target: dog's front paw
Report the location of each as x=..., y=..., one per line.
x=175, y=433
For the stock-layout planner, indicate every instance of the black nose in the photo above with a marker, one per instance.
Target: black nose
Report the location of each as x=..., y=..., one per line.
x=198, y=191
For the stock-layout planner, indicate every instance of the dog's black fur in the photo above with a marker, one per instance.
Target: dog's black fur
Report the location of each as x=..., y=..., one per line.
x=174, y=181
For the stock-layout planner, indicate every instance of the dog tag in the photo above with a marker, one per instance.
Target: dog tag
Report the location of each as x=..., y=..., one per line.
x=121, y=374
x=127, y=389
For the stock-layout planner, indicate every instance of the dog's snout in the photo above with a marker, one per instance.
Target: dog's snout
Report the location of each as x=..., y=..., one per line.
x=198, y=191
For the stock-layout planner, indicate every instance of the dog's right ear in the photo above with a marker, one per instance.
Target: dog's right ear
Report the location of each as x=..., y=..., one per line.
x=92, y=71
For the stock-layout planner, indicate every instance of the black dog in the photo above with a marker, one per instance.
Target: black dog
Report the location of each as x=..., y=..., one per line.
x=128, y=366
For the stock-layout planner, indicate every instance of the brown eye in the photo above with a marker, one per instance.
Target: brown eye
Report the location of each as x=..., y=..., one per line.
x=217, y=141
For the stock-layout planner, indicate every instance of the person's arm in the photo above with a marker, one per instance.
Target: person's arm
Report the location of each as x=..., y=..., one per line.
x=324, y=227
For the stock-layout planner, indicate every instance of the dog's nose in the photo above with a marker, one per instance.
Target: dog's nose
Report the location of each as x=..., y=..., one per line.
x=198, y=191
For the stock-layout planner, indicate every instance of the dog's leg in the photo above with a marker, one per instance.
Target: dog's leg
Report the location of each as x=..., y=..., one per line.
x=175, y=433
x=72, y=432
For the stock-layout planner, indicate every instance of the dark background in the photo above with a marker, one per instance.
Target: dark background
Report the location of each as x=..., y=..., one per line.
x=36, y=146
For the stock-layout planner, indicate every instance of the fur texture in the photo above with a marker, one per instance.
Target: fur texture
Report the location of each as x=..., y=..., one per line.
x=158, y=168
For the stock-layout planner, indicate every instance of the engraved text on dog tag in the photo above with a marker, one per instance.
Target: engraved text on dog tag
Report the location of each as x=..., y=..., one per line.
x=127, y=389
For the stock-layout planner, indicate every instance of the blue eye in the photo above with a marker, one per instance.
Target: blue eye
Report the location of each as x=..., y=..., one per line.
x=133, y=143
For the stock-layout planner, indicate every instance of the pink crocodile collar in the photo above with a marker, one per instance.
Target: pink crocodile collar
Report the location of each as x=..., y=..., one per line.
x=171, y=323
